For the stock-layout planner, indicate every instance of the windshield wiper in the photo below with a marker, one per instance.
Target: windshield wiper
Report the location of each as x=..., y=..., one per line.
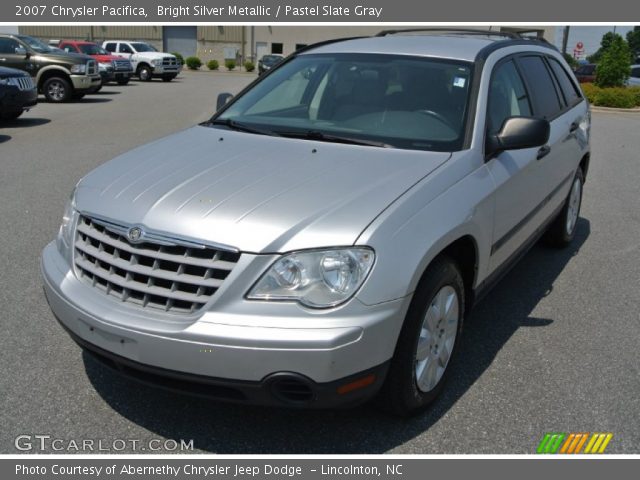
x=325, y=137
x=242, y=127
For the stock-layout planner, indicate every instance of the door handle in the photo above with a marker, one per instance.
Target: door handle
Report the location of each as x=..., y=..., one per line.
x=574, y=126
x=543, y=152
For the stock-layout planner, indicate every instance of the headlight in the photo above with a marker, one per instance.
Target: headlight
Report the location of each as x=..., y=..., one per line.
x=317, y=279
x=5, y=81
x=79, y=68
x=65, y=233
x=105, y=66
x=156, y=61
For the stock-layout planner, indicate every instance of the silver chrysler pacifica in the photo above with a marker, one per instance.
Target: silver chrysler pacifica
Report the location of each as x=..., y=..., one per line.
x=320, y=240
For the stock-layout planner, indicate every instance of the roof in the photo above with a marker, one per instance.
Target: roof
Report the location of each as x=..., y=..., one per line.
x=455, y=46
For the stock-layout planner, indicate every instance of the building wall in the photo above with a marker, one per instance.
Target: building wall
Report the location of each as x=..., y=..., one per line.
x=289, y=36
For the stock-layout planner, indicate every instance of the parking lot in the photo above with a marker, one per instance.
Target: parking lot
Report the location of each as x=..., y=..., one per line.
x=553, y=348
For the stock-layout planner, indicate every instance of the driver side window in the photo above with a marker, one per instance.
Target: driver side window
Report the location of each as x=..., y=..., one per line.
x=507, y=97
x=124, y=48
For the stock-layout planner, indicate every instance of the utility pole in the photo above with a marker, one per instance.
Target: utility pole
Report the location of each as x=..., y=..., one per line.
x=565, y=38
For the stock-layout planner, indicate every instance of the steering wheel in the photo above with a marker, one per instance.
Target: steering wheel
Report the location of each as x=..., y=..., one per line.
x=437, y=116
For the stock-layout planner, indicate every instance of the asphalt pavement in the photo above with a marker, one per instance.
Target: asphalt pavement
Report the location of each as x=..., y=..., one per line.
x=553, y=348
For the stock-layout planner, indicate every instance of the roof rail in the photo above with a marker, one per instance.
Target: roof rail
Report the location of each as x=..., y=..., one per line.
x=467, y=31
x=323, y=43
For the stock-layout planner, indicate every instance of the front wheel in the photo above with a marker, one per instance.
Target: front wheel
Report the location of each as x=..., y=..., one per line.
x=427, y=342
x=563, y=228
x=145, y=73
x=57, y=90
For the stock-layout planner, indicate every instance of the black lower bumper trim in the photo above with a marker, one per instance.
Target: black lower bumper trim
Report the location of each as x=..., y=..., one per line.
x=284, y=389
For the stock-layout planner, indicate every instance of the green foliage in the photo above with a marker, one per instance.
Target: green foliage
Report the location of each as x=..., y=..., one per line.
x=213, y=64
x=614, y=66
x=573, y=63
x=230, y=64
x=179, y=56
x=633, y=39
x=249, y=66
x=606, y=41
x=193, y=63
x=617, y=97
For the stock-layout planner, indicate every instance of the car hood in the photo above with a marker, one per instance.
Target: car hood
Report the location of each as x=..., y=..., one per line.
x=152, y=55
x=106, y=58
x=11, y=72
x=253, y=192
x=62, y=57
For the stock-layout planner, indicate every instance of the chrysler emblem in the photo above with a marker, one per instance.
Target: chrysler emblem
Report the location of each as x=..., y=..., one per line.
x=134, y=234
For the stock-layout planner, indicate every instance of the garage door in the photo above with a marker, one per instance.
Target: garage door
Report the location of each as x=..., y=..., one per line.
x=179, y=39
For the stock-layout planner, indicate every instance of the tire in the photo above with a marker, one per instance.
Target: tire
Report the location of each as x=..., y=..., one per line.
x=57, y=90
x=563, y=229
x=123, y=81
x=145, y=73
x=421, y=362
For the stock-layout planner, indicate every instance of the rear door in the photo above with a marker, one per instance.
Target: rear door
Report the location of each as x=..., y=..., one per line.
x=556, y=99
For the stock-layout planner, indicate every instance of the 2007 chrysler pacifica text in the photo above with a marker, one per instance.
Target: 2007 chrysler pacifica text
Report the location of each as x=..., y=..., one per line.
x=321, y=239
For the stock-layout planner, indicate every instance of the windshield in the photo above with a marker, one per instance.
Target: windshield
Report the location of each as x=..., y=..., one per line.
x=399, y=101
x=92, y=49
x=143, y=47
x=35, y=44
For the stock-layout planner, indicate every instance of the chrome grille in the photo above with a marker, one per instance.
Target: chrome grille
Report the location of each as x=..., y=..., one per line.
x=175, y=279
x=24, y=83
x=169, y=61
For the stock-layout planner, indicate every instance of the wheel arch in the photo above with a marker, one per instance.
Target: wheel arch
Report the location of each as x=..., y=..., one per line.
x=584, y=165
x=52, y=71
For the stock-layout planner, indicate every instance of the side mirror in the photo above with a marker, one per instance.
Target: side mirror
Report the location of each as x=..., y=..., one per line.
x=518, y=133
x=21, y=51
x=223, y=98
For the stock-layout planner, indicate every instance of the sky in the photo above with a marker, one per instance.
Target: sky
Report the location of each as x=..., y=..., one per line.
x=589, y=36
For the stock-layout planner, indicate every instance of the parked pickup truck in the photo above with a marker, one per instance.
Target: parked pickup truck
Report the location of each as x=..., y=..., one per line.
x=111, y=67
x=147, y=62
x=58, y=75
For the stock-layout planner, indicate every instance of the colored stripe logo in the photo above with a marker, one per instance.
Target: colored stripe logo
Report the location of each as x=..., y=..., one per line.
x=574, y=443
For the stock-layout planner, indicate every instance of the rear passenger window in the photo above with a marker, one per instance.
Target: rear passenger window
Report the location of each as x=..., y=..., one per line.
x=111, y=47
x=567, y=86
x=507, y=97
x=545, y=98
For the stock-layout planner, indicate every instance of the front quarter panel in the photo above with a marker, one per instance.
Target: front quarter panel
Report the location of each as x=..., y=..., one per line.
x=454, y=201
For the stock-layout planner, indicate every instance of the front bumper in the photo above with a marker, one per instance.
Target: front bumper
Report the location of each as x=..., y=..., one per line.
x=15, y=100
x=86, y=83
x=165, y=70
x=224, y=356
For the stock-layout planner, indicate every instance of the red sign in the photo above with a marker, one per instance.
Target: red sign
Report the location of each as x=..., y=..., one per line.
x=579, y=46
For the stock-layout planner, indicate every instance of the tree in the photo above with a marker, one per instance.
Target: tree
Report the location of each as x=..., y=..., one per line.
x=633, y=39
x=605, y=42
x=614, y=66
